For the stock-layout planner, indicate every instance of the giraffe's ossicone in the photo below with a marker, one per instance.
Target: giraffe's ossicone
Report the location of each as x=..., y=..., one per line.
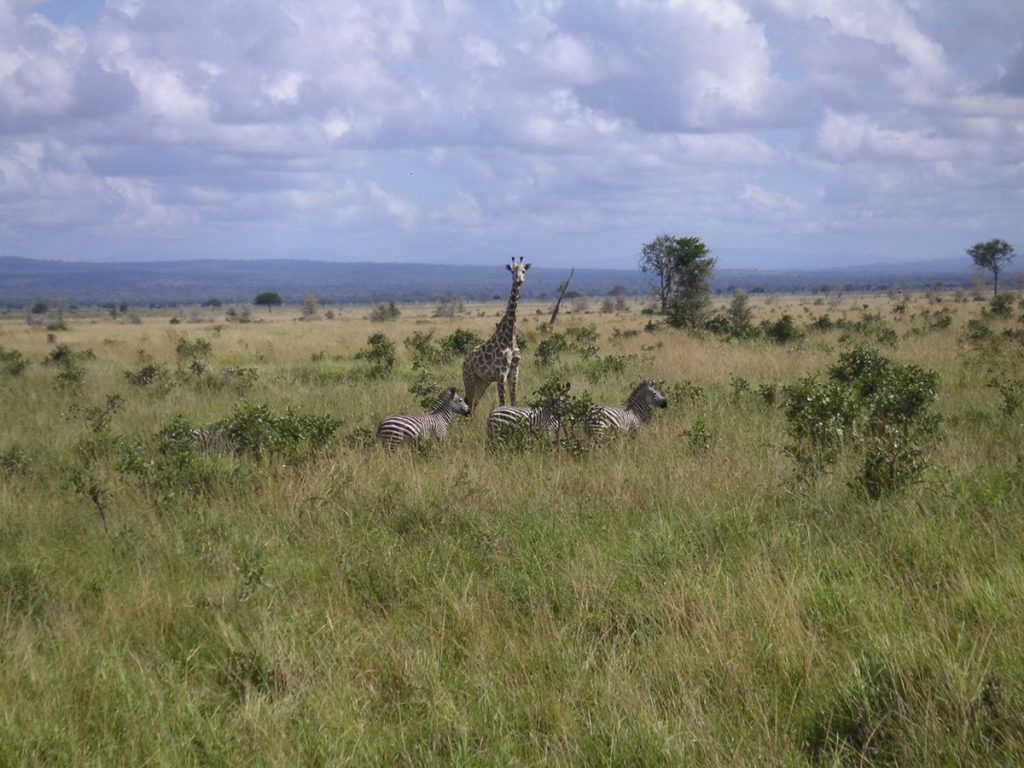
x=497, y=359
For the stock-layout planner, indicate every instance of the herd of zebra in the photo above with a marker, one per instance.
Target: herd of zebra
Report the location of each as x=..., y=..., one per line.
x=601, y=420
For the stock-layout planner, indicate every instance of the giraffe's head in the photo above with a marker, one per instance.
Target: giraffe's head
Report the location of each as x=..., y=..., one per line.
x=518, y=271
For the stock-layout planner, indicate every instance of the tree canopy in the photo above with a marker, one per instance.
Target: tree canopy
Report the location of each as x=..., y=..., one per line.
x=683, y=266
x=993, y=255
x=268, y=299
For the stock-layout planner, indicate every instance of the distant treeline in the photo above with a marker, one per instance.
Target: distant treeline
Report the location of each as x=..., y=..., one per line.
x=172, y=283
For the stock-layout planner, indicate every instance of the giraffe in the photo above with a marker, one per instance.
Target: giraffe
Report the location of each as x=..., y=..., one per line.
x=497, y=359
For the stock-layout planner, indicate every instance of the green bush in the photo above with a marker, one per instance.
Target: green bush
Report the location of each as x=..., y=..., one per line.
x=149, y=375
x=187, y=349
x=550, y=348
x=570, y=410
x=380, y=354
x=869, y=401
x=460, y=342
x=256, y=431
x=423, y=349
x=12, y=362
x=1001, y=305
x=782, y=331
x=383, y=312
x=977, y=330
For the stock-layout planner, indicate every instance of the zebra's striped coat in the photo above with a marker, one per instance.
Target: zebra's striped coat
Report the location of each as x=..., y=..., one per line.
x=394, y=430
x=506, y=417
x=605, y=418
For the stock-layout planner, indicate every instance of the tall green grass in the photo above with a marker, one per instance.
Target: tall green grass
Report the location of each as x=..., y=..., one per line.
x=661, y=600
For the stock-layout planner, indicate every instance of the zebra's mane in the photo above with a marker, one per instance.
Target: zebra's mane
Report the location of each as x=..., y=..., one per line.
x=444, y=402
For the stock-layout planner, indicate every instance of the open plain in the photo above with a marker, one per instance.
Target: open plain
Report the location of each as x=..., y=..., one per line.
x=681, y=597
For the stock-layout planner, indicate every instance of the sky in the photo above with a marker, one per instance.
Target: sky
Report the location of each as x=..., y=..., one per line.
x=785, y=133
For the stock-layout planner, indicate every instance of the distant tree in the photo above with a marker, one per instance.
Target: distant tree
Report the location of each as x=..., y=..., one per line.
x=993, y=255
x=384, y=312
x=655, y=259
x=268, y=299
x=213, y=301
x=310, y=308
x=691, y=267
x=40, y=308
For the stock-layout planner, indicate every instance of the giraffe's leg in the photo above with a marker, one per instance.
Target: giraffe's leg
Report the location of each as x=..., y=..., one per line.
x=469, y=385
x=513, y=380
x=501, y=390
x=475, y=389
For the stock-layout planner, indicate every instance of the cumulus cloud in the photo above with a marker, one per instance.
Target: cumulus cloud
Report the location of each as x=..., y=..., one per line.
x=424, y=129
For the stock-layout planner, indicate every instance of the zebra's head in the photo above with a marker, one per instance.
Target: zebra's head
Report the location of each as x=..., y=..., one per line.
x=648, y=394
x=458, y=405
x=518, y=271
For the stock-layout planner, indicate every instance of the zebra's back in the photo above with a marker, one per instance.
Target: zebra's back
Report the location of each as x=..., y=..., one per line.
x=394, y=430
x=605, y=418
x=506, y=417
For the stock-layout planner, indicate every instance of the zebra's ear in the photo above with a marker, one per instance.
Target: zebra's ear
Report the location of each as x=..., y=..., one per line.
x=451, y=391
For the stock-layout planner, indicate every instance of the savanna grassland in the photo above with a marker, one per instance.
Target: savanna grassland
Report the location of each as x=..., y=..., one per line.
x=690, y=596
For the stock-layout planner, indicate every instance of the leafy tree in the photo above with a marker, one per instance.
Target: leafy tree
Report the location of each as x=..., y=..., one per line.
x=691, y=267
x=268, y=299
x=656, y=259
x=993, y=255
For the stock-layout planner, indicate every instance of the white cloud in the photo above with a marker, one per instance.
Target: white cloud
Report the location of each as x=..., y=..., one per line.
x=773, y=202
x=462, y=122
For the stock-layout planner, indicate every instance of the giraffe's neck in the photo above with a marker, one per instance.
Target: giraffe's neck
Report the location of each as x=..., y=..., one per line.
x=506, y=333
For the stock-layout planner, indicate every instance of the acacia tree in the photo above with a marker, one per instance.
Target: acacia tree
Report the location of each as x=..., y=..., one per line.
x=993, y=256
x=691, y=265
x=656, y=259
x=268, y=299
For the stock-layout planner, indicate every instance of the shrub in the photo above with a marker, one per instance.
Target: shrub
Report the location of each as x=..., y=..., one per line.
x=148, y=375
x=449, y=307
x=599, y=368
x=423, y=349
x=425, y=389
x=1001, y=305
x=880, y=406
x=238, y=315
x=938, y=321
x=460, y=342
x=384, y=312
x=550, y=348
x=187, y=349
x=71, y=372
x=570, y=410
x=256, y=431
x=977, y=330
x=12, y=362
x=13, y=461
x=782, y=331
x=582, y=339
x=700, y=437
x=821, y=416
x=1012, y=390
x=380, y=354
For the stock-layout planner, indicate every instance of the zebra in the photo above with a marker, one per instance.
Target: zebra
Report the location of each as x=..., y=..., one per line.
x=630, y=418
x=393, y=430
x=210, y=439
x=515, y=417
